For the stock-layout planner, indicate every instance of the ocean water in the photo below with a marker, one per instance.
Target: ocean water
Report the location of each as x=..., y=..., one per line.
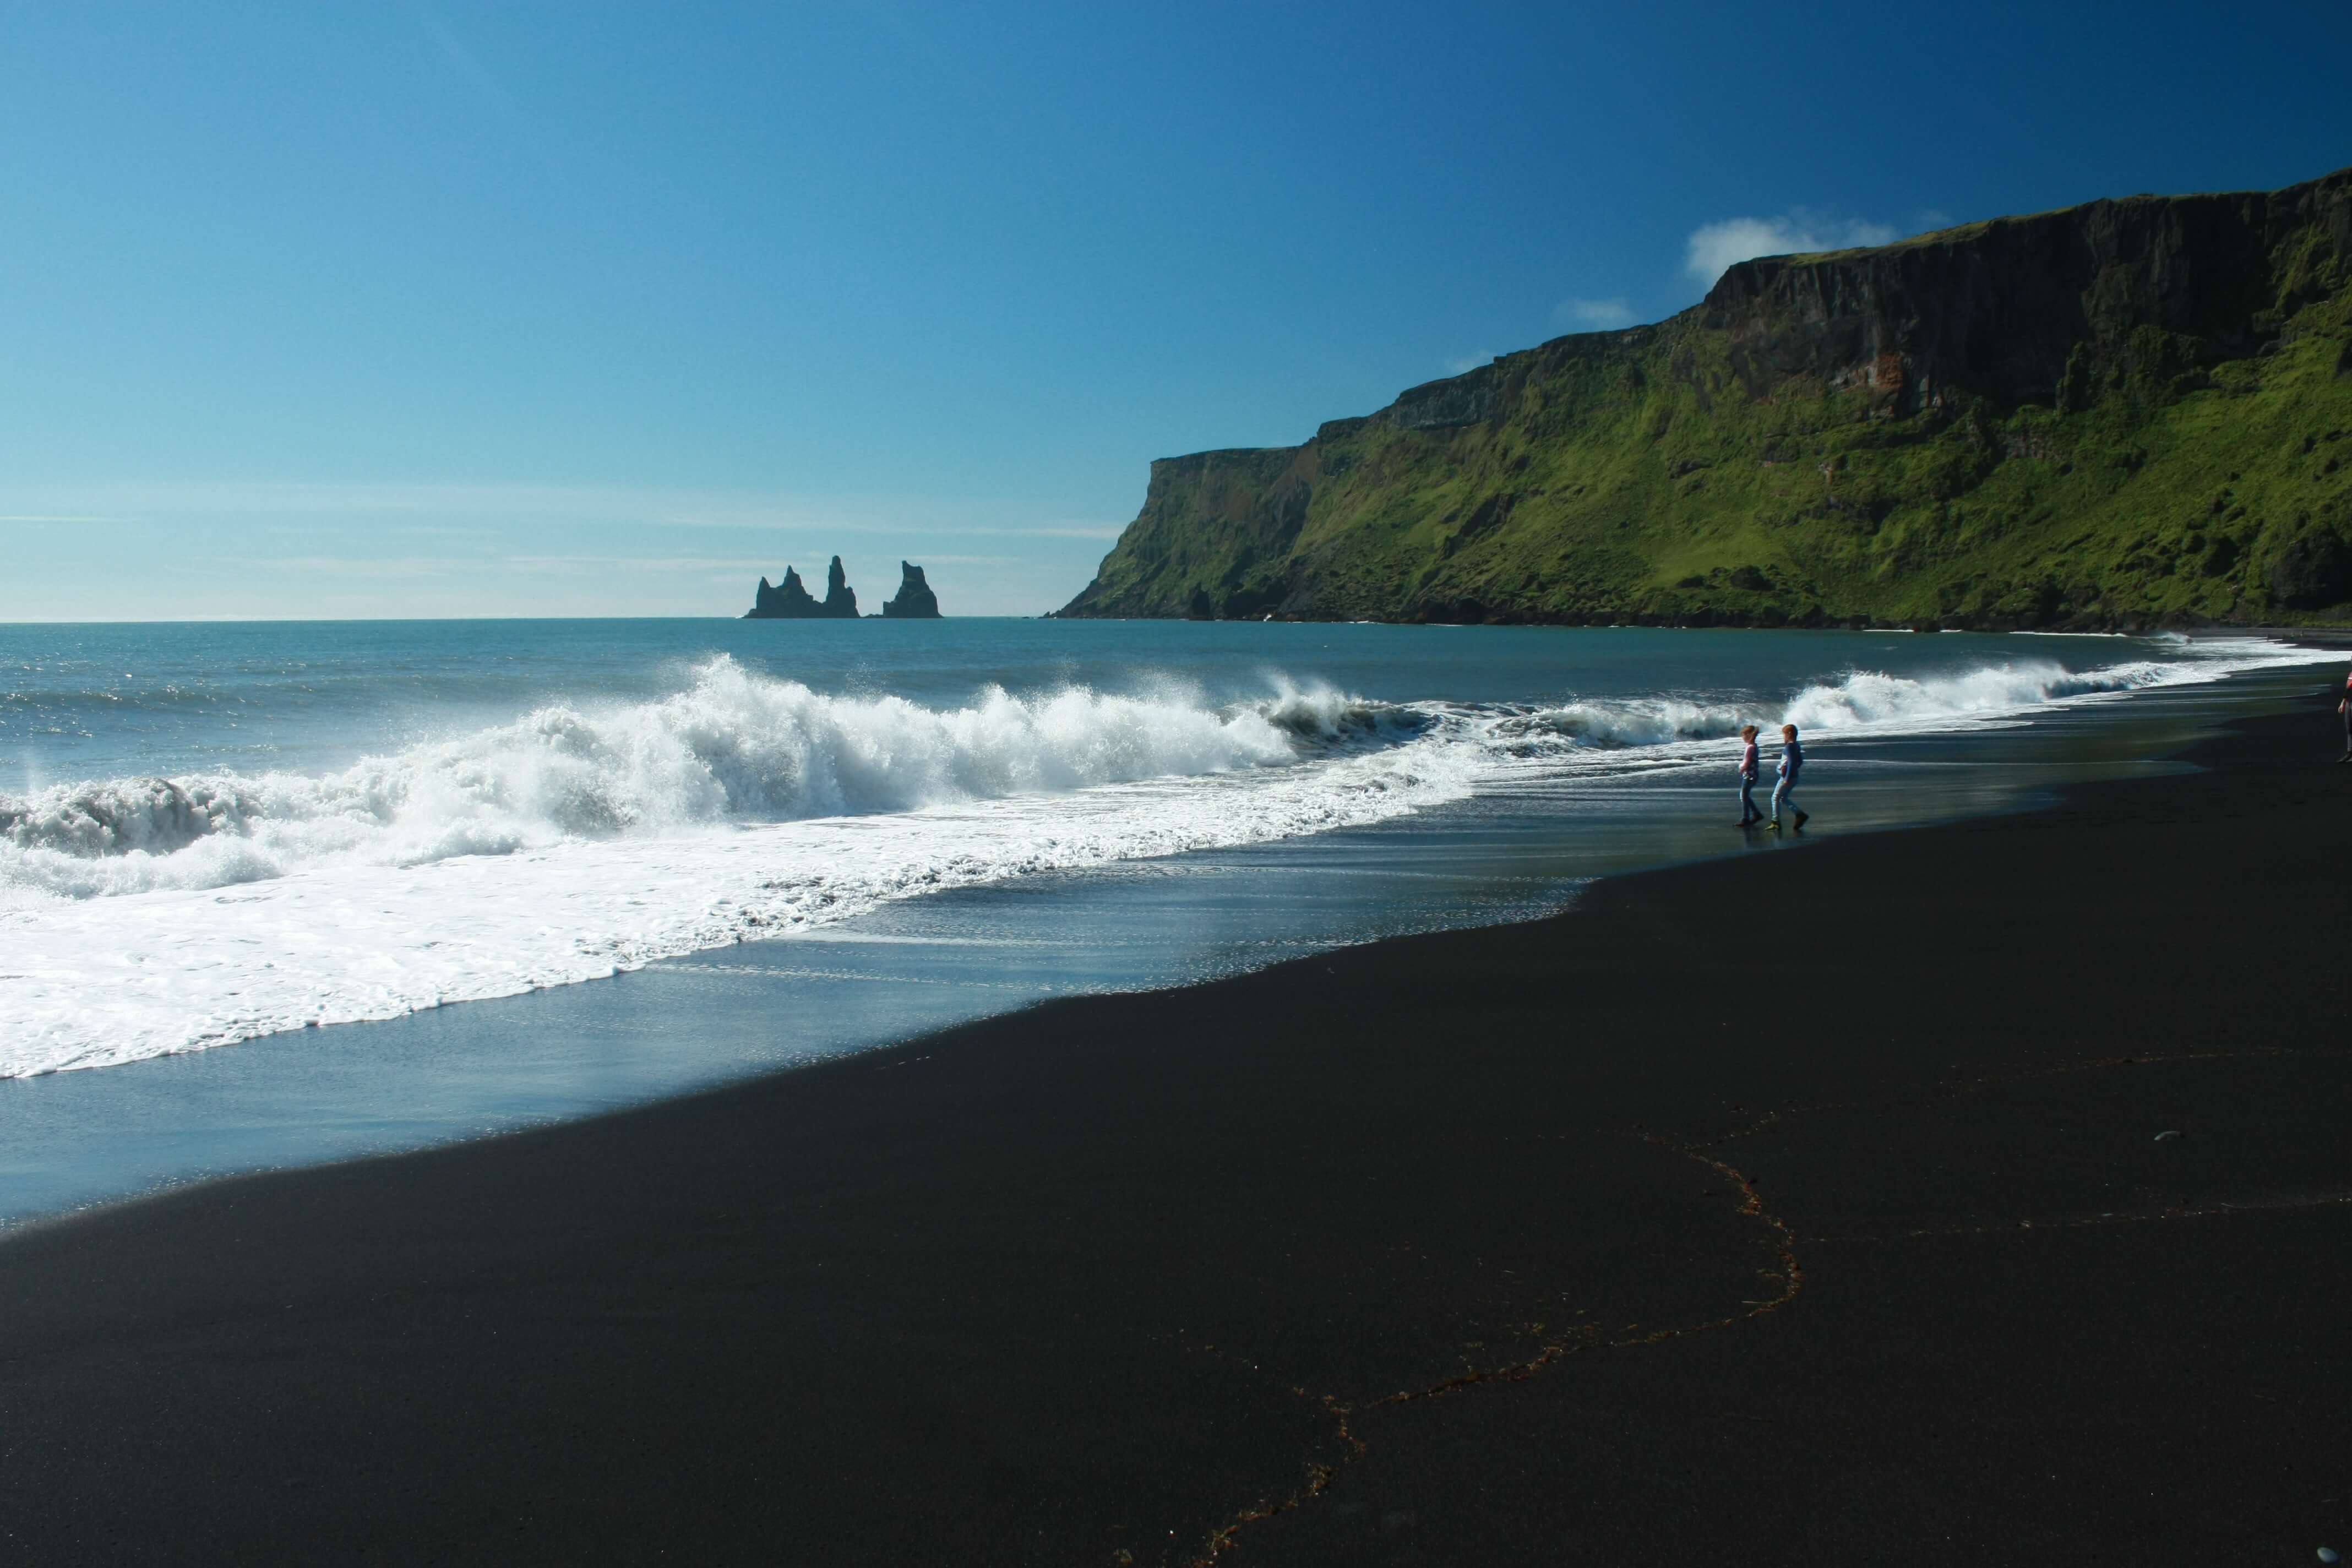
x=310, y=844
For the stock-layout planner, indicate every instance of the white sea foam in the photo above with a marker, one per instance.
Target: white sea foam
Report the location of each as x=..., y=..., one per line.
x=735, y=747
x=1867, y=699
x=96, y=980
x=1869, y=702
x=139, y=917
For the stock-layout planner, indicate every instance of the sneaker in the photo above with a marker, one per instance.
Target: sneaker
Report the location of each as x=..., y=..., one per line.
x=1774, y=825
x=1803, y=818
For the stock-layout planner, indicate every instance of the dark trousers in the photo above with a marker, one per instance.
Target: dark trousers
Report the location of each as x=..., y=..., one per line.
x=1747, y=784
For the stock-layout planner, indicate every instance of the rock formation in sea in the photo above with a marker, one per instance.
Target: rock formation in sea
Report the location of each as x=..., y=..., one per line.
x=792, y=601
x=840, y=601
x=2130, y=413
x=915, y=599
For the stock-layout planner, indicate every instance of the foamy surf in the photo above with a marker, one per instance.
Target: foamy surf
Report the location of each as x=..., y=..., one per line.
x=141, y=917
x=1870, y=702
x=95, y=982
x=735, y=747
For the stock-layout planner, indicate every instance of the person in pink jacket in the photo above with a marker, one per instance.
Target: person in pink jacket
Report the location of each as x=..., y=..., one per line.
x=1748, y=814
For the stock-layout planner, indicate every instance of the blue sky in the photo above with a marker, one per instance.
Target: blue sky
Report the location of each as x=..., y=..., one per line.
x=396, y=310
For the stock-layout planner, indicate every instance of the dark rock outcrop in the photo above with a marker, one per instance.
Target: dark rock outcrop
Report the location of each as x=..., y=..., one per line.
x=792, y=601
x=915, y=600
x=840, y=601
x=789, y=602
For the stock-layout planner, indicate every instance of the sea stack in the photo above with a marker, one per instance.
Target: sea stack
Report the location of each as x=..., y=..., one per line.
x=792, y=601
x=916, y=602
x=789, y=603
x=840, y=600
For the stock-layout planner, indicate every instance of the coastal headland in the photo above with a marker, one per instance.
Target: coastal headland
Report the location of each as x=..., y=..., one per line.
x=1973, y=1193
x=2131, y=413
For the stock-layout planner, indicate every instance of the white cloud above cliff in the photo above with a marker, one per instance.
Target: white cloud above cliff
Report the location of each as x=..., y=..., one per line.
x=1716, y=246
x=1593, y=315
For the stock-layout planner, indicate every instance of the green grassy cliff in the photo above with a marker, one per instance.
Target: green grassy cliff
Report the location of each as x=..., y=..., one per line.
x=2130, y=413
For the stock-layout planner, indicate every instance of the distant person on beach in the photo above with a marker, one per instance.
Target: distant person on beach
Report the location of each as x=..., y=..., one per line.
x=1792, y=762
x=1749, y=766
x=2344, y=708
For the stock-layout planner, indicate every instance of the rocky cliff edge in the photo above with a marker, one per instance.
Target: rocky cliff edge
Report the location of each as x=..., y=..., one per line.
x=2131, y=411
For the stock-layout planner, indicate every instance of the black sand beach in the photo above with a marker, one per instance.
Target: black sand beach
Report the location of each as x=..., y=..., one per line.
x=1814, y=1207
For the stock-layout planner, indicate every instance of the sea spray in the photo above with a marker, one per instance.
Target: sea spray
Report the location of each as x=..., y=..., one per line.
x=95, y=982
x=1868, y=698
x=1870, y=701
x=735, y=747
x=146, y=915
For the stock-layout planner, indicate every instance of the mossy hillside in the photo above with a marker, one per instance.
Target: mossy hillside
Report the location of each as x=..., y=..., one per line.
x=2191, y=460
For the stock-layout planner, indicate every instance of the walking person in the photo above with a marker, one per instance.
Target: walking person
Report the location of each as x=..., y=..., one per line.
x=1792, y=762
x=2344, y=708
x=1748, y=814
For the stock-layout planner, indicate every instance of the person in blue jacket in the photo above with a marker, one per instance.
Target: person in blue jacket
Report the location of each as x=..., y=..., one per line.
x=1792, y=762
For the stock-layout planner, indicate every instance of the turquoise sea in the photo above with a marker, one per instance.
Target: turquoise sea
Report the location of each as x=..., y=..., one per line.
x=280, y=892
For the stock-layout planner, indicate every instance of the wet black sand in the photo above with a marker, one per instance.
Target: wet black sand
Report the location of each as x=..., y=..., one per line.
x=1793, y=1208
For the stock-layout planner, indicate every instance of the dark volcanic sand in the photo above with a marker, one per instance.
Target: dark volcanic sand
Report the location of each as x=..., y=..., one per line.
x=1793, y=1208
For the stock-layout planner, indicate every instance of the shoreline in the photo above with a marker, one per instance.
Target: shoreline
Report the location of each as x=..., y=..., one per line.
x=445, y=1074
x=1202, y=1272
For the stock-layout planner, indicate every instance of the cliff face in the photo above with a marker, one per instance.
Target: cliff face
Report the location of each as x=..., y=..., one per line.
x=2129, y=412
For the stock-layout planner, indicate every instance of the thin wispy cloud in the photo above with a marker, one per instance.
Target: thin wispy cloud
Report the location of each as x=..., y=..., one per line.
x=1069, y=531
x=423, y=508
x=1468, y=362
x=1717, y=245
x=933, y=560
x=371, y=567
x=1593, y=315
x=693, y=563
x=302, y=497
x=469, y=69
x=703, y=564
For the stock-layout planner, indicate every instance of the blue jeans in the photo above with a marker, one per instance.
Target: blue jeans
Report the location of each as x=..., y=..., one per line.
x=1781, y=792
x=1748, y=796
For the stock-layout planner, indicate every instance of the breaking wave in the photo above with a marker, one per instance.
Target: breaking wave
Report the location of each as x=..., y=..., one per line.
x=735, y=747
x=1867, y=699
x=144, y=916
x=1861, y=700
